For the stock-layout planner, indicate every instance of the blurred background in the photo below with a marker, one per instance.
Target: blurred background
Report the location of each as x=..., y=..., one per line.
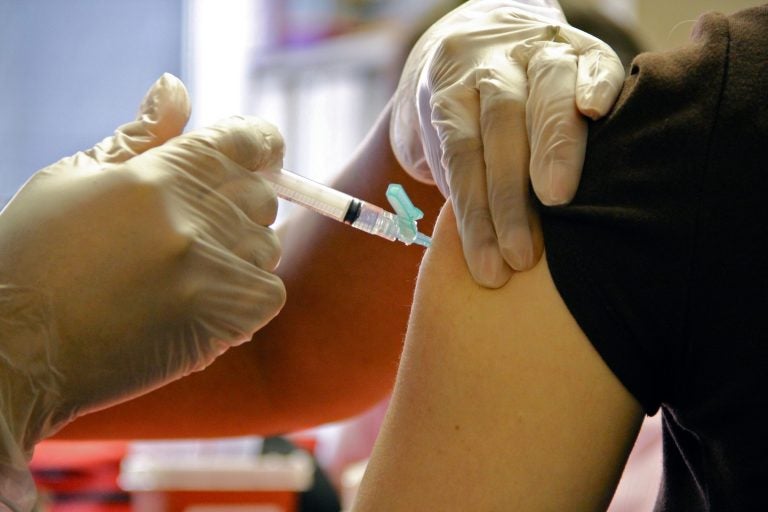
x=321, y=70
x=70, y=72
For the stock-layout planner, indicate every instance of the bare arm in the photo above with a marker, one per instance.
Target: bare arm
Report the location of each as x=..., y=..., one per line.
x=333, y=350
x=501, y=403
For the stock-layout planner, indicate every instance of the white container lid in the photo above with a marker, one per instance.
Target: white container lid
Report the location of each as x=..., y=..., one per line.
x=165, y=467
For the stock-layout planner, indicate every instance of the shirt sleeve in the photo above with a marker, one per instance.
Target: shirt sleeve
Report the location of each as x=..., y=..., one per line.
x=622, y=254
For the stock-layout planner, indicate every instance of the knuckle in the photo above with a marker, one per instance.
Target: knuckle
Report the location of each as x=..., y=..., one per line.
x=148, y=192
x=501, y=84
x=458, y=144
x=503, y=107
x=457, y=162
x=272, y=136
x=458, y=139
x=194, y=139
x=501, y=16
x=192, y=156
x=180, y=242
x=159, y=218
x=251, y=142
x=553, y=56
x=451, y=46
x=455, y=131
x=456, y=104
x=252, y=196
x=500, y=94
x=143, y=179
x=255, y=144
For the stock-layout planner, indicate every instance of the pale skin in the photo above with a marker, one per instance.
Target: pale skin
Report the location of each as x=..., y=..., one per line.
x=501, y=403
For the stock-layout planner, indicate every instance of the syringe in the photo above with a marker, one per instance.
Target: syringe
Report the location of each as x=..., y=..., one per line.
x=350, y=210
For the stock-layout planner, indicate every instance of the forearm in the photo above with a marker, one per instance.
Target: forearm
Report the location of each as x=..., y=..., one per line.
x=332, y=351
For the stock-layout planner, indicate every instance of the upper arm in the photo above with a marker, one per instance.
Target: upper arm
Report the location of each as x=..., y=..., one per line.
x=501, y=403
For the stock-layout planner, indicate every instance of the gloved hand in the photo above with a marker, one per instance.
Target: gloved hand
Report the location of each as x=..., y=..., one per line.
x=484, y=82
x=130, y=265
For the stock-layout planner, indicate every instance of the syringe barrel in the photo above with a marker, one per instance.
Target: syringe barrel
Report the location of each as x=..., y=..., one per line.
x=342, y=207
x=376, y=221
x=310, y=194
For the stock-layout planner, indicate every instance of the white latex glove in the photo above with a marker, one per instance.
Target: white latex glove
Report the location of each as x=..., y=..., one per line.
x=482, y=85
x=130, y=265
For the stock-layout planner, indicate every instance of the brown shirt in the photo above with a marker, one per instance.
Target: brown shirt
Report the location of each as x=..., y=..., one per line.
x=663, y=256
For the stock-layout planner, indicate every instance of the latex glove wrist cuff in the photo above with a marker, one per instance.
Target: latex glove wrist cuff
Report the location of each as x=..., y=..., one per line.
x=17, y=486
x=26, y=379
x=16, y=483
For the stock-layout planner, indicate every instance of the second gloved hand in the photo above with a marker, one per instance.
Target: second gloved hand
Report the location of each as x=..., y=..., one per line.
x=130, y=265
x=484, y=84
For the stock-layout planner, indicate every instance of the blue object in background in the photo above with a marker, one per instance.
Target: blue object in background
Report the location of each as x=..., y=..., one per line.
x=71, y=72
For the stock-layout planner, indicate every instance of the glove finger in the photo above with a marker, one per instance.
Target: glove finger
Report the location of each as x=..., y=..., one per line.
x=404, y=128
x=455, y=112
x=430, y=139
x=600, y=73
x=557, y=132
x=259, y=246
x=197, y=209
x=211, y=214
x=231, y=299
x=212, y=194
x=598, y=82
x=249, y=142
x=503, y=94
x=163, y=114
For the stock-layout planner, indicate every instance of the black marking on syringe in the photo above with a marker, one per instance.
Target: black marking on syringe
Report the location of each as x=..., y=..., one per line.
x=353, y=212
